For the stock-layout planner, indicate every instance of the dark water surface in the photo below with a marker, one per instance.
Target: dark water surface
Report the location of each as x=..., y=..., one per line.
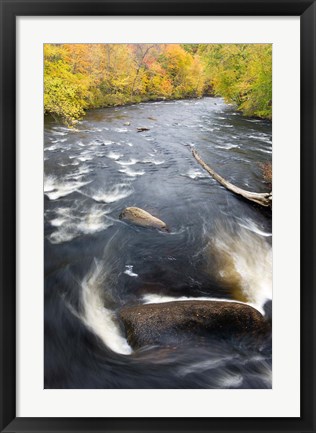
x=219, y=245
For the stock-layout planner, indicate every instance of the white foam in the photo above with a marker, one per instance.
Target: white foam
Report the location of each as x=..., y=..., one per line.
x=113, y=155
x=52, y=147
x=96, y=142
x=62, y=236
x=262, y=137
x=49, y=183
x=62, y=164
x=85, y=158
x=131, y=161
x=57, y=222
x=230, y=380
x=194, y=173
x=153, y=161
x=70, y=223
x=227, y=146
x=60, y=133
x=117, y=192
x=132, y=173
x=268, y=151
x=252, y=226
x=161, y=299
x=84, y=169
x=99, y=319
x=79, y=173
x=244, y=263
x=93, y=222
x=120, y=129
x=203, y=365
x=60, y=140
x=97, y=130
x=61, y=188
x=129, y=271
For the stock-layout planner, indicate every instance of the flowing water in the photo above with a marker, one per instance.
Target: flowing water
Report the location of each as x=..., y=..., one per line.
x=218, y=247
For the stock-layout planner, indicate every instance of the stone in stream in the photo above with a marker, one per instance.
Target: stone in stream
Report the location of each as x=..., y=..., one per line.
x=142, y=218
x=142, y=129
x=176, y=322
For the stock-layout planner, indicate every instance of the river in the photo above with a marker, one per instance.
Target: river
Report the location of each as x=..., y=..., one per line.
x=218, y=246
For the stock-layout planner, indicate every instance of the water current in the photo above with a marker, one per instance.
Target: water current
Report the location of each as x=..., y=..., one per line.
x=218, y=246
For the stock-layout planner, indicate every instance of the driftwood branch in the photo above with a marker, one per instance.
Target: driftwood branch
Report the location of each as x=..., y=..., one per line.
x=264, y=199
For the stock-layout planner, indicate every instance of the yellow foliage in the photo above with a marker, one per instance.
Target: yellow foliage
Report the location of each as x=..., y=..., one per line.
x=82, y=76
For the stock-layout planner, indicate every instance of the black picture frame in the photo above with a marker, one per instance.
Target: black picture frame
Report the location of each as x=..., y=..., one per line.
x=12, y=9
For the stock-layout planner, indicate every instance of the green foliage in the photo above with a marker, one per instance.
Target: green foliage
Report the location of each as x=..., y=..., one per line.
x=82, y=76
x=242, y=74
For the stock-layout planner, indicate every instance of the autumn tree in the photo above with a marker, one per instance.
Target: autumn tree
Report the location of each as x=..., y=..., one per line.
x=82, y=76
x=65, y=92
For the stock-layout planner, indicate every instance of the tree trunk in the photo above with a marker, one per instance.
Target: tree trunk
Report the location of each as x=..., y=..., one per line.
x=264, y=199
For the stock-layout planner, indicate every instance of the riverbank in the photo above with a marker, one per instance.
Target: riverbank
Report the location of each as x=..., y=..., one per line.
x=82, y=76
x=115, y=104
x=73, y=123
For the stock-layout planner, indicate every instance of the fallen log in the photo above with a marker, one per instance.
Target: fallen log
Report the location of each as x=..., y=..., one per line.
x=264, y=199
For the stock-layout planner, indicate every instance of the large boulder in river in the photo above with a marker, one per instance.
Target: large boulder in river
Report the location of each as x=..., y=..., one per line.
x=142, y=218
x=173, y=323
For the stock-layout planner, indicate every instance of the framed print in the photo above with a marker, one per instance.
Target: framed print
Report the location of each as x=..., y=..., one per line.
x=140, y=286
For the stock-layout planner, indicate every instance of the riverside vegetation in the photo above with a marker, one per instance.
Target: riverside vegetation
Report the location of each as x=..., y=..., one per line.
x=132, y=300
x=78, y=77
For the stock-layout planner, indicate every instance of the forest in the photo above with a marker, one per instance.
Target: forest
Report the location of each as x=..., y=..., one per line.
x=79, y=77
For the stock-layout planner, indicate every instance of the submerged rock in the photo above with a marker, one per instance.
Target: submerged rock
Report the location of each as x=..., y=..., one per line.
x=179, y=321
x=142, y=218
